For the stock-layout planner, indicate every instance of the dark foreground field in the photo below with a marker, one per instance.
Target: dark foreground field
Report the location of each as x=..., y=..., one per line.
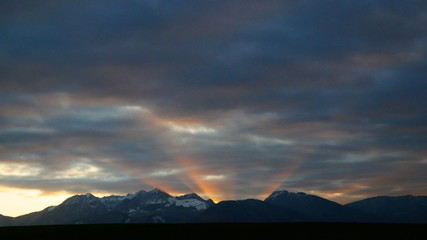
x=215, y=231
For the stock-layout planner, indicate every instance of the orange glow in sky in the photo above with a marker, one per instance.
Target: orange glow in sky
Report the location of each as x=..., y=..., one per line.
x=288, y=171
x=201, y=179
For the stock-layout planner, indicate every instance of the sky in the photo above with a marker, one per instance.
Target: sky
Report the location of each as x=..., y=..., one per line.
x=228, y=99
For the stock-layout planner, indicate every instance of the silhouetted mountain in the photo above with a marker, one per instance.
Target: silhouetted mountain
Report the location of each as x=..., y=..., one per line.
x=194, y=196
x=319, y=209
x=157, y=206
x=142, y=207
x=402, y=209
x=5, y=221
x=249, y=210
x=78, y=209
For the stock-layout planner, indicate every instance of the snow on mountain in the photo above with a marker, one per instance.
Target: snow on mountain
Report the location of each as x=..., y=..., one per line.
x=187, y=203
x=157, y=196
x=140, y=207
x=113, y=200
x=50, y=208
x=283, y=193
x=275, y=194
x=156, y=206
x=190, y=196
x=87, y=198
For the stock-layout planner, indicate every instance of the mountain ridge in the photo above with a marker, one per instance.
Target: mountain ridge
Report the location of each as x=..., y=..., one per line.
x=140, y=207
x=157, y=206
x=405, y=209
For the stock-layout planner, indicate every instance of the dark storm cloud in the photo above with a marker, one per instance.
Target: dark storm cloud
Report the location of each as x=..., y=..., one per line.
x=317, y=95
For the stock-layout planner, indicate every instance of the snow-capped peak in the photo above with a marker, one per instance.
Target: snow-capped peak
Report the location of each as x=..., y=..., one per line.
x=140, y=199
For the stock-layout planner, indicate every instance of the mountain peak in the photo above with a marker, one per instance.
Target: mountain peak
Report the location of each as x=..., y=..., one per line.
x=283, y=193
x=190, y=196
x=276, y=194
x=282, y=205
x=89, y=195
x=159, y=193
x=139, y=193
x=156, y=191
x=154, y=196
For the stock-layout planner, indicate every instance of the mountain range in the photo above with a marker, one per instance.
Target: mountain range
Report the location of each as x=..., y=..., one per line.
x=157, y=206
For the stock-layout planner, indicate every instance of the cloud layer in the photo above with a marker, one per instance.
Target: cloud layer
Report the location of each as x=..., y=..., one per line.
x=231, y=99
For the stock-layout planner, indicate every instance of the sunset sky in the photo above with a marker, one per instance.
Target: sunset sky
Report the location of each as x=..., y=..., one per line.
x=229, y=99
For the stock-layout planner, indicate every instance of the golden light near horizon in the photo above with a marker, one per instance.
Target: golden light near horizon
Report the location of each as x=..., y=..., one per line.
x=17, y=201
